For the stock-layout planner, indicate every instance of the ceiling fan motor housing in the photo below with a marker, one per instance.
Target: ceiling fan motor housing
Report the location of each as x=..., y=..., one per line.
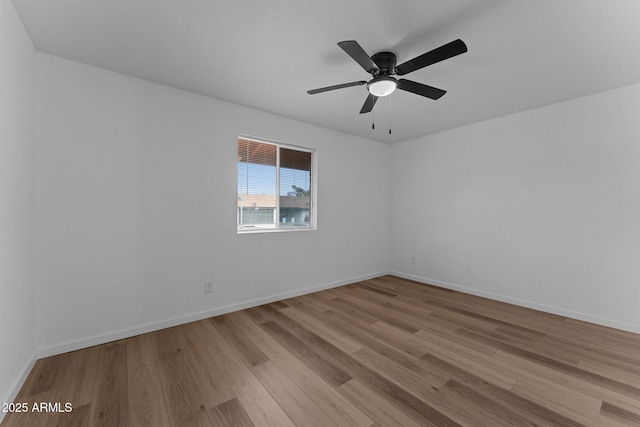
x=386, y=61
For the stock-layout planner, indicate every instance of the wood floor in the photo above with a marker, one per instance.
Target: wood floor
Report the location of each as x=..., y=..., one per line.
x=384, y=352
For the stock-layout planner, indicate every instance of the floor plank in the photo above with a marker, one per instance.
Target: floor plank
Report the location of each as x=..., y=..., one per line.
x=377, y=406
x=255, y=399
x=110, y=407
x=297, y=405
x=230, y=413
x=146, y=401
x=182, y=398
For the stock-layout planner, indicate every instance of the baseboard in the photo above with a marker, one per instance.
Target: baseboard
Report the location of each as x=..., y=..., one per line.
x=192, y=317
x=612, y=323
x=17, y=384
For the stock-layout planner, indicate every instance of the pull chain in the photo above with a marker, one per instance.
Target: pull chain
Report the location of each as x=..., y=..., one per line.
x=373, y=119
x=389, y=114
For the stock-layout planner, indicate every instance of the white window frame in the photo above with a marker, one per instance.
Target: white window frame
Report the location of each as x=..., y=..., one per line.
x=314, y=189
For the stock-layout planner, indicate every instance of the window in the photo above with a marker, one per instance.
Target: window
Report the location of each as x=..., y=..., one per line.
x=275, y=187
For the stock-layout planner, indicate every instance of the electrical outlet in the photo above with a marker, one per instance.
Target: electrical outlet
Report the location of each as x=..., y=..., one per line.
x=208, y=287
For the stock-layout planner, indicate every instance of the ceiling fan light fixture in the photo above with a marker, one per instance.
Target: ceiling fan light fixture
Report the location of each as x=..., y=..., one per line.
x=382, y=86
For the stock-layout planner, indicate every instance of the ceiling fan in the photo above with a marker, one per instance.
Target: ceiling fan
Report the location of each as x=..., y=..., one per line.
x=382, y=66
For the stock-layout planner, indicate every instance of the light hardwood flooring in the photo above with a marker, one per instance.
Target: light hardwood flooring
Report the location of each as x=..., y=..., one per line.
x=383, y=352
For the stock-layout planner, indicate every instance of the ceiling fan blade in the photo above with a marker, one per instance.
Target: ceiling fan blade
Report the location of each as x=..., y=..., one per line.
x=354, y=50
x=328, y=88
x=420, y=89
x=368, y=104
x=446, y=51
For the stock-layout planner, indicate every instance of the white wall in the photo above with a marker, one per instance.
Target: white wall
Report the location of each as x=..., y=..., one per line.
x=136, y=193
x=17, y=307
x=540, y=208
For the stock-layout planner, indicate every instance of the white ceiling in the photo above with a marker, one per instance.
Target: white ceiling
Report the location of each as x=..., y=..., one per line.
x=266, y=54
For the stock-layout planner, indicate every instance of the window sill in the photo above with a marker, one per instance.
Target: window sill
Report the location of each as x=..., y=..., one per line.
x=275, y=230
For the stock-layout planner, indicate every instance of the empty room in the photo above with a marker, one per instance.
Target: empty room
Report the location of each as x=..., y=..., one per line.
x=322, y=213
